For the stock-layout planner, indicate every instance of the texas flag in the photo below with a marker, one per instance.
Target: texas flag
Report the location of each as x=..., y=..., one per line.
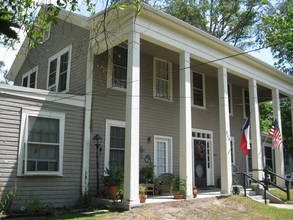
x=245, y=143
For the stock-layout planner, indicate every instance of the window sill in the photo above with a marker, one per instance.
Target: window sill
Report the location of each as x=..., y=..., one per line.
x=117, y=88
x=41, y=174
x=199, y=107
x=162, y=99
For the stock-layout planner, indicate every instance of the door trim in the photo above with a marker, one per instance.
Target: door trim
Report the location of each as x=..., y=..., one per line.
x=209, y=171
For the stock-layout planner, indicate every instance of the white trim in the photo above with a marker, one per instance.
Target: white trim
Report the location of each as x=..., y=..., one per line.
x=28, y=74
x=42, y=95
x=109, y=124
x=58, y=57
x=110, y=66
x=230, y=97
x=48, y=35
x=169, y=162
x=170, y=80
x=22, y=153
x=204, y=91
x=210, y=173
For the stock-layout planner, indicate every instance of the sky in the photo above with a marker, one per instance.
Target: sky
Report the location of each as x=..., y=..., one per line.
x=8, y=55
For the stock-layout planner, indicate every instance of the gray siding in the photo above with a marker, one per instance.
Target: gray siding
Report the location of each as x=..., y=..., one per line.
x=59, y=191
x=62, y=35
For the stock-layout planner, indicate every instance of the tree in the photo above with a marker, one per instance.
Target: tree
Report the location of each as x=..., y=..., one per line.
x=26, y=15
x=278, y=35
x=232, y=21
x=3, y=72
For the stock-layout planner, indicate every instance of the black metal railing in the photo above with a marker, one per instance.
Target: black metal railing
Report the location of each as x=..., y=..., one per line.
x=268, y=182
x=245, y=175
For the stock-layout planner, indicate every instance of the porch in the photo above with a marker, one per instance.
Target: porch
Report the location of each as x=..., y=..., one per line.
x=152, y=199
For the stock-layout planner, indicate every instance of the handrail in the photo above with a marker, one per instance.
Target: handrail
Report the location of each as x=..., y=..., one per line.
x=287, y=183
x=244, y=184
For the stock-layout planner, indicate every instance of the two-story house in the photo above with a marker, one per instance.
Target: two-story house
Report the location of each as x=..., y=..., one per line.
x=154, y=87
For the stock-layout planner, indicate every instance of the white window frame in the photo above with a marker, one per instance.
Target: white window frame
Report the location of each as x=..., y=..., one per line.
x=109, y=124
x=170, y=80
x=22, y=153
x=47, y=36
x=110, y=71
x=58, y=57
x=169, y=162
x=230, y=99
x=28, y=74
x=204, y=91
x=243, y=102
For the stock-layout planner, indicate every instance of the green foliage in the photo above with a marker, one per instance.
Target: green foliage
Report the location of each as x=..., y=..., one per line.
x=113, y=176
x=142, y=189
x=32, y=205
x=146, y=174
x=235, y=22
x=282, y=195
x=179, y=186
x=119, y=194
x=85, y=200
x=278, y=35
x=3, y=72
x=6, y=199
x=272, y=176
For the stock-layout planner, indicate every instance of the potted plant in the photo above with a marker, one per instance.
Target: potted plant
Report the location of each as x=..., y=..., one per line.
x=113, y=178
x=180, y=188
x=146, y=174
x=142, y=194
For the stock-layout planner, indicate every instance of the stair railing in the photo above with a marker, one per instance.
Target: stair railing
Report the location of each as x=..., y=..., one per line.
x=269, y=182
x=245, y=175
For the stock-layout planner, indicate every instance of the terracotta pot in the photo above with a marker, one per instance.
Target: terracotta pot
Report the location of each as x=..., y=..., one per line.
x=178, y=196
x=111, y=191
x=194, y=191
x=142, y=198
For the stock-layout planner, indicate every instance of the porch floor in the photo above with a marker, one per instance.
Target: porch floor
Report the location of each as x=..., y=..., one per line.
x=159, y=199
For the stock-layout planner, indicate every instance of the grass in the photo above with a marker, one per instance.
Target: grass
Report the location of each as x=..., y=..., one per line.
x=282, y=195
x=77, y=215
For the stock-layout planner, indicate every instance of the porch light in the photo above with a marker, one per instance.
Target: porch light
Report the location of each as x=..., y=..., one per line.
x=97, y=140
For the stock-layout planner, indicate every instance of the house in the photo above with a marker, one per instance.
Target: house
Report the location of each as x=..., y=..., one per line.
x=154, y=87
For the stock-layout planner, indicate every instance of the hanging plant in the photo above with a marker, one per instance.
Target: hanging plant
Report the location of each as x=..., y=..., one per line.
x=200, y=150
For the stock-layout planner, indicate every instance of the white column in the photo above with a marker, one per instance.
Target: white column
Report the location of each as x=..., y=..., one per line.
x=131, y=164
x=279, y=156
x=87, y=123
x=225, y=146
x=185, y=123
x=255, y=131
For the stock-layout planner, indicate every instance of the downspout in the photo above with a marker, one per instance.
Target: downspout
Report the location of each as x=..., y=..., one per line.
x=87, y=123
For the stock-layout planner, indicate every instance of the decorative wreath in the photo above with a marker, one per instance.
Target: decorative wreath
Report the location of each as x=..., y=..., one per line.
x=200, y=150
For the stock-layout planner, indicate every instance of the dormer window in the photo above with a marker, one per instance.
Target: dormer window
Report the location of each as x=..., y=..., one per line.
x=29, y=79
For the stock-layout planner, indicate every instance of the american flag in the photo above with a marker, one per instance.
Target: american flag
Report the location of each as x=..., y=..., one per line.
x=276, y=134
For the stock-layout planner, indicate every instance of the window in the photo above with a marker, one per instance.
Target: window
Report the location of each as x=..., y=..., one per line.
x=199, y=90
x=115, y=143
x=29, y=79
x=162, y=155
x=246, y=108
x=46, y=33
x=41, y=143
x=162, y=79
x=269, y=157
x=59, y=71
x=117, y=77
x=232, y=150
x=230, y=99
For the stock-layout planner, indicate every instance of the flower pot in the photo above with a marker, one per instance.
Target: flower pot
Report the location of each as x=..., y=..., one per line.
x=194, y=191
x=178, y=196
x=142, y=198
x=111, y=191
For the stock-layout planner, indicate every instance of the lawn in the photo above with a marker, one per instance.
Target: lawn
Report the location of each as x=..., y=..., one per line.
x=282, y=195
x=233, y=207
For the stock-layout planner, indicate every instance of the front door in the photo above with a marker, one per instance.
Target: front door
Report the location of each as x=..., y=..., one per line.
x=203, y=158
x=200, y=163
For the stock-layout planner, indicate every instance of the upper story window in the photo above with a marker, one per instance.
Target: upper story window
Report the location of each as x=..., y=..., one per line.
x=245, y=98
x=199, y=90
x=46, y=33
x=29, y=79
x=59, y=71
x=41, y=143
x=230, y=99
x=117, y=77
x=162, y=79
